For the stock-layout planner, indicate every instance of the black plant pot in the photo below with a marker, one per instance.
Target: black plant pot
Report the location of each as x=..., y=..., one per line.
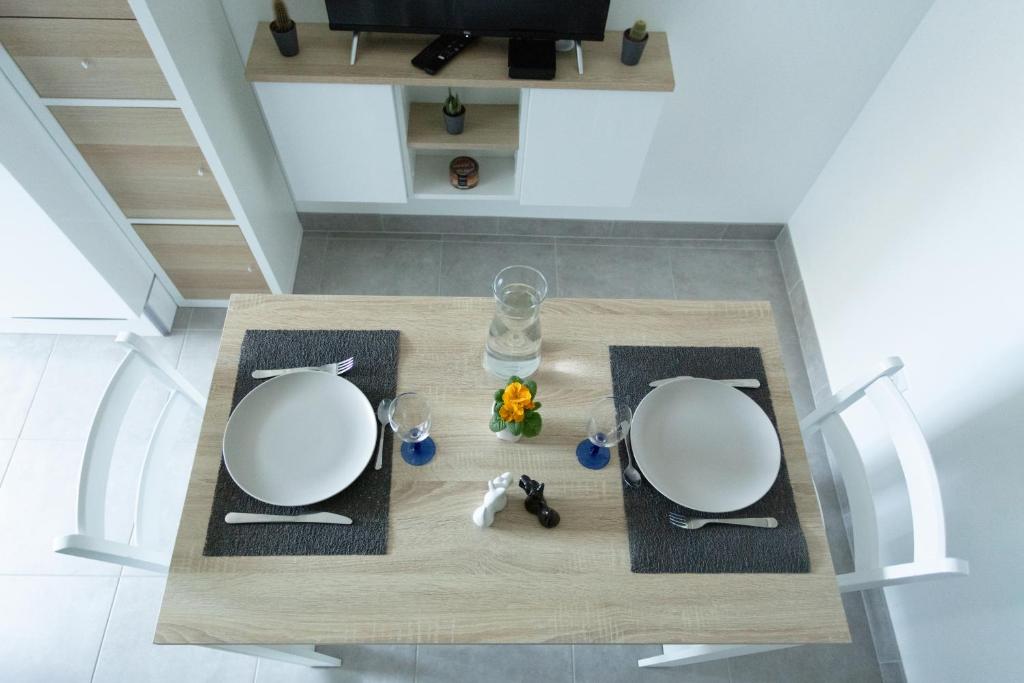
x=454, y=124
x=287, y=41
x=632, y=50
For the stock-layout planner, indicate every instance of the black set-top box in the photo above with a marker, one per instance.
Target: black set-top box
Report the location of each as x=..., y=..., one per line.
x=531, y=59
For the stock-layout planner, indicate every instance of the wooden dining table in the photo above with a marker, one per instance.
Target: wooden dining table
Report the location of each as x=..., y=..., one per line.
x=444, y=580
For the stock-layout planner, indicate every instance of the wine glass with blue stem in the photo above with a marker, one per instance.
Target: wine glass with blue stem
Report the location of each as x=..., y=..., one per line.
x=607, y=424
x=409, y=415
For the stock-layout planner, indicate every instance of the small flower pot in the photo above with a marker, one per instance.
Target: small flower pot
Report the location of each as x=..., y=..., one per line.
x=506, y=435
x=454, y=124
x=632, y=50
x=287, y=41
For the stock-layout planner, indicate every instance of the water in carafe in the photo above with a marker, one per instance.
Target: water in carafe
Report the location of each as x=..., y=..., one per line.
x=513, y=340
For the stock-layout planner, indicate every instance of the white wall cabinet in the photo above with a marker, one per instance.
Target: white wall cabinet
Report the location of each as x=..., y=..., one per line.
x=343, y=143
x=148, y=102
x=586, y=147
x=367, y=132
x=65, y=266
x=337, y=143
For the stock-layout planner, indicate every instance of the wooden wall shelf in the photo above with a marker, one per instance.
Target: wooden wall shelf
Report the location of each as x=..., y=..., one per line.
x=488, y=127
x=384, y=58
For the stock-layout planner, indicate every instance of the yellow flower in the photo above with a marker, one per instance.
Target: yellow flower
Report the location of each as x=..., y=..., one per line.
x=510, y=414
x=515, y=401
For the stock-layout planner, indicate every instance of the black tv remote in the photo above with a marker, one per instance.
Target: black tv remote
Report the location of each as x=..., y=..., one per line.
x=444, y=49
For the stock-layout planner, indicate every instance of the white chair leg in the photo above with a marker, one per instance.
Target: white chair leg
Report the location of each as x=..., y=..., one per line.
x=304, y=655
x=680, y=655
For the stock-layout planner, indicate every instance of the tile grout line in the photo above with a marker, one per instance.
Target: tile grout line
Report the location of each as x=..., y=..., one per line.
x=440, y=264
x=106, y=626
x=28, y=410
x=672, y=274
x=322, y=275
x=184, y=338
x=321, y=266
x=706, y=243
x=572, y=660
x=558, y=291
x=416, y=663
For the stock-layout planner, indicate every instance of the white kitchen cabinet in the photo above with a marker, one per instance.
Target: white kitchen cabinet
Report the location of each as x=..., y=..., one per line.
x=337, y=143
x=65, y=266
x=586, y=147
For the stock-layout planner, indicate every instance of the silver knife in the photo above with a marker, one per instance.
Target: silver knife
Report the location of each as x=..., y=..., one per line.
x=311, y=518
x=738, y=383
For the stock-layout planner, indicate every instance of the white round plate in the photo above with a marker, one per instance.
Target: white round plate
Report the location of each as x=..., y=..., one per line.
x=705, y=445
x=298, y=439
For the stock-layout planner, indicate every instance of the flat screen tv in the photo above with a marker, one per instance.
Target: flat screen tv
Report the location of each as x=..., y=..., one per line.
x=536, y=19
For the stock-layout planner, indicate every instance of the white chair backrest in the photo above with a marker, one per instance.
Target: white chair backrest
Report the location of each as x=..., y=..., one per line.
x=90, y=541
x=884, y=388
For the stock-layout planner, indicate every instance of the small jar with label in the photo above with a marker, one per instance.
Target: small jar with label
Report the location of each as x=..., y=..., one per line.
x=464, y=173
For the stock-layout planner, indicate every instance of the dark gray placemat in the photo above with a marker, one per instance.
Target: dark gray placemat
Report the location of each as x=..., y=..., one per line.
x=366, y=501
x=655, y=546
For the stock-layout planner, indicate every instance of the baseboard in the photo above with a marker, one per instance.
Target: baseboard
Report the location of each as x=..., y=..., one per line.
x=533, y=227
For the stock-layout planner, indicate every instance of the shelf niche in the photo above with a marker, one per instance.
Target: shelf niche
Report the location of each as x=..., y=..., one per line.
x=492, y=127
x=430, y=178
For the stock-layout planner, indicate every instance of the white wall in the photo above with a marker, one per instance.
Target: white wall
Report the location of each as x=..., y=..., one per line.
x=911, y=242
x=764, y=93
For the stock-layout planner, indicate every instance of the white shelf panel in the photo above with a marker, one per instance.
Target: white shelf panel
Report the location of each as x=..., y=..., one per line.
x=497, y=178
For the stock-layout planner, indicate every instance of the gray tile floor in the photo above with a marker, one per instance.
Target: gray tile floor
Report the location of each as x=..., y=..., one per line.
x=63, y=619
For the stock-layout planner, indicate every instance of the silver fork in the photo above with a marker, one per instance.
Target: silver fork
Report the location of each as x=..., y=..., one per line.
x=339, y=368
x=680, y=520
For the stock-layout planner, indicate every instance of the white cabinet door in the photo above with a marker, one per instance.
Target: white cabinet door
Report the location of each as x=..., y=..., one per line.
x=337, y=143
x=586, y=147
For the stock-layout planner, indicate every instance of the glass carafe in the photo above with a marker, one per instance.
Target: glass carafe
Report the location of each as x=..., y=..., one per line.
x=513, y=341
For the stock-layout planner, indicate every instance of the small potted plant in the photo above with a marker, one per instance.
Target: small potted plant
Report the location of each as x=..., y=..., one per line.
x=283, y=29
x=633, y=41
x=454, y=113
x=514, y=414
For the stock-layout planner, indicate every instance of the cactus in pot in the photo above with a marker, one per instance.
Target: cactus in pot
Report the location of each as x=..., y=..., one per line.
x=283, y=29
x=454, y=113
x=634, y=39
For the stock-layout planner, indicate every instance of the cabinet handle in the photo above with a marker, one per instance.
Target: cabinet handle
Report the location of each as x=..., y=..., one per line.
x=86, y=64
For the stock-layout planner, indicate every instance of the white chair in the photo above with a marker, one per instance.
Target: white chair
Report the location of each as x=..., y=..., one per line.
x=91, y=541
x=884, y=387
x=146, y=552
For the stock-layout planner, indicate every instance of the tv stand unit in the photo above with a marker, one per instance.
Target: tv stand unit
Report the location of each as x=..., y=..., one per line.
x=539, y=142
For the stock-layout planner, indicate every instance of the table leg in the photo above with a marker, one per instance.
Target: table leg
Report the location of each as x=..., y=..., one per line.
x=304, y=655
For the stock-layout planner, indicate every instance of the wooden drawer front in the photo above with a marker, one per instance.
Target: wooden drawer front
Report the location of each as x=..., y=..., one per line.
x=147, y=159
x=75, y=9
x=204, y=261
x=91, y=58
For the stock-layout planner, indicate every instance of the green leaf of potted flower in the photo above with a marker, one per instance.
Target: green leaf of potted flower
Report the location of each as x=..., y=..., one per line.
x=514, y=413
